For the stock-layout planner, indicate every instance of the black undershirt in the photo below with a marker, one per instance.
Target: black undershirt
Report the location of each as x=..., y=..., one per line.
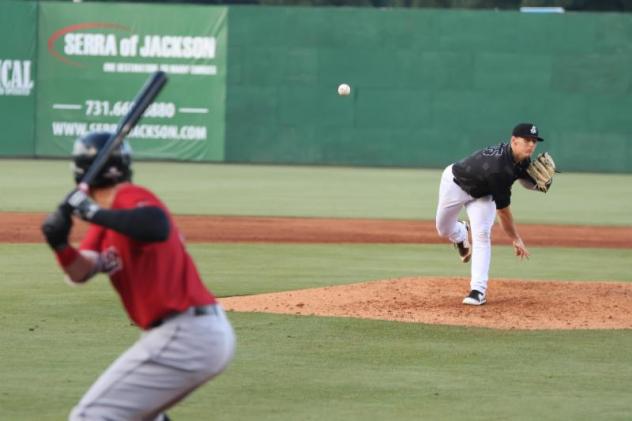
x=145, y=224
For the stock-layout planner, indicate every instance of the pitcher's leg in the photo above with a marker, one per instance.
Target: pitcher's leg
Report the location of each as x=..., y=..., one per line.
x=451, y=200
x=482, y=213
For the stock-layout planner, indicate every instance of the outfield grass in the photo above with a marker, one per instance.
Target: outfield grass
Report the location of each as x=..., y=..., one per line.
x=55, y=340
x=601, y=199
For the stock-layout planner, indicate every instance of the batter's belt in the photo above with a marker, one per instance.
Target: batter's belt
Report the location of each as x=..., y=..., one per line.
x=193, y=311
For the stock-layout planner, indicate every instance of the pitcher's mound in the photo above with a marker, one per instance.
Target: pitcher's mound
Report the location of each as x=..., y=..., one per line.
x=511, y=304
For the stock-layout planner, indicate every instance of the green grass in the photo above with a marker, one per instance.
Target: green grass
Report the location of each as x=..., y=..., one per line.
x=295, y=368
x=303, y=368
x=602, y=199
x=56, y=340
x=241, y=269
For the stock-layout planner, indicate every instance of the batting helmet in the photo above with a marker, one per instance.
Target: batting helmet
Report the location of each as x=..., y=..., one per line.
x=116, y=169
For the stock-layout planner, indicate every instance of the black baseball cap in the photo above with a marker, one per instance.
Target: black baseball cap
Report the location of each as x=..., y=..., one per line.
x=527, y=130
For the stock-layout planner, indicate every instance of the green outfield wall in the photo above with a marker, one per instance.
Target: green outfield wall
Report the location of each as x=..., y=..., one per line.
x=258, y=84
x=17, y=77
x=428, y=86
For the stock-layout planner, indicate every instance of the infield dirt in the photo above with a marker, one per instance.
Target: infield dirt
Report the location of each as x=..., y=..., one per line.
x=24, y=227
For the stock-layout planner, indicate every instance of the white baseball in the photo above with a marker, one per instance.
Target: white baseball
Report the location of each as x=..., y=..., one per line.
x=344, y=89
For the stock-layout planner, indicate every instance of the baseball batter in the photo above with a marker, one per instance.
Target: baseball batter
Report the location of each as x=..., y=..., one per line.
x=481, y=183
x=186, y=338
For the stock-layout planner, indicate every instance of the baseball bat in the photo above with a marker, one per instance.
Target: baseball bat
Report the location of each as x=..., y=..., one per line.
x=143, y=100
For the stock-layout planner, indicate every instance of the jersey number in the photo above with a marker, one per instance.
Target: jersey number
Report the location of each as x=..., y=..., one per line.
x=493, y=151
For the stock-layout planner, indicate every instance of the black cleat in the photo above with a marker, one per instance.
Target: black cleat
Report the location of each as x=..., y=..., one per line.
x=464, y=247
x=475, y=298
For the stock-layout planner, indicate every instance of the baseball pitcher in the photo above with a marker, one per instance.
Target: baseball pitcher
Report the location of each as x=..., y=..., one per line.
x=481, y=183
x=186, y=338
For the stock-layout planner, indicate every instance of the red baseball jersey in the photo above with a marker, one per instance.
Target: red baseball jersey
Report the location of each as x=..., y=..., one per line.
x=152, y=279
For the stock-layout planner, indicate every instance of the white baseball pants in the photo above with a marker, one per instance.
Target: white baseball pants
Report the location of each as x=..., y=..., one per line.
x=481, y=213
x=161, y=368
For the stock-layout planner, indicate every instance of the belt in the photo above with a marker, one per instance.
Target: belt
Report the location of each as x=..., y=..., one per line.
x=195, y=311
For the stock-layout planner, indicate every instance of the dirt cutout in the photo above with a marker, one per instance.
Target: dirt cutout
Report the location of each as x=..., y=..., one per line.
x=511, y=304
x=25, y=228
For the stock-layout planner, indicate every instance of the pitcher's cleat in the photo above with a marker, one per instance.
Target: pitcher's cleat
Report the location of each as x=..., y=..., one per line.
x=475, y=298
x=464, y=247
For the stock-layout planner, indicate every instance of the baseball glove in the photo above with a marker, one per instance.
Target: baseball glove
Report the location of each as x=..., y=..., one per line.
x=541, y=170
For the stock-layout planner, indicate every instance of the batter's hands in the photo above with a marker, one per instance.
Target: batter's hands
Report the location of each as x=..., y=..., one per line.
x=56, y=228
x=81, y=205
x=520, y=249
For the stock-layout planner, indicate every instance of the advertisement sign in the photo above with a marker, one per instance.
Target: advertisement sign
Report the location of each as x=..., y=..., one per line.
x=97, y=56
x=18, y=22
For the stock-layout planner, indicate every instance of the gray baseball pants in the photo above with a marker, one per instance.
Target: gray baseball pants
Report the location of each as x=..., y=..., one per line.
x=166, y=364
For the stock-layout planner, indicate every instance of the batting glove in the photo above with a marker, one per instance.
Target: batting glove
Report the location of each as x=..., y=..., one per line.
x=82, y=205
x=56, y=228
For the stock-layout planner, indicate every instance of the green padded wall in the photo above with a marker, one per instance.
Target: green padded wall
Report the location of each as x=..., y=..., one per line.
x=428, y=86
x=18, y=29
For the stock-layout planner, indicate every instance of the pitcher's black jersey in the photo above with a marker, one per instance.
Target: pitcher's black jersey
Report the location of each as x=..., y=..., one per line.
x=490, y=171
